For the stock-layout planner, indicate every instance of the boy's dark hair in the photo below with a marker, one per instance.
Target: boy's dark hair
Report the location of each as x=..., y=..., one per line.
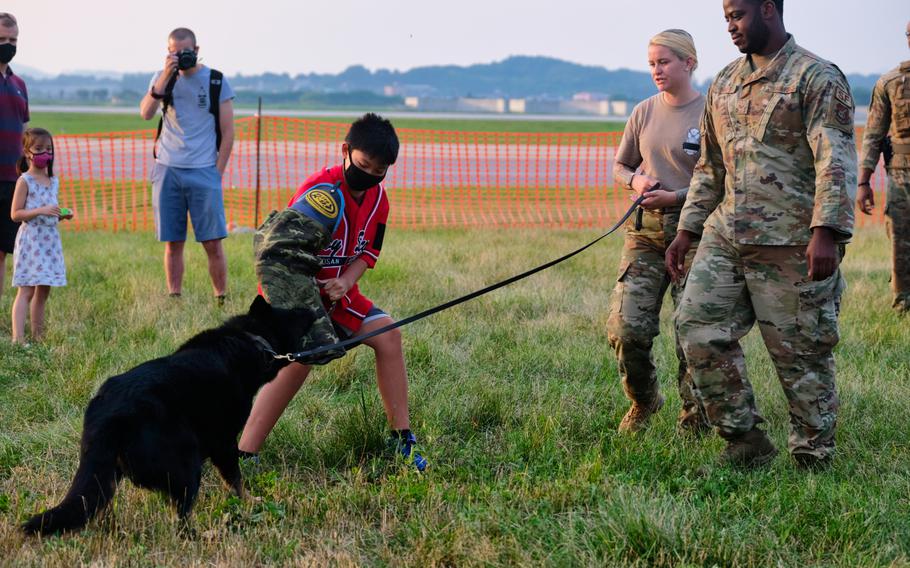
x=28, y=137
x=375, y=136
x=778, y=3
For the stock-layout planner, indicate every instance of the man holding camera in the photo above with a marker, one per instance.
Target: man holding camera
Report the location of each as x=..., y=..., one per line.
x=194, y=142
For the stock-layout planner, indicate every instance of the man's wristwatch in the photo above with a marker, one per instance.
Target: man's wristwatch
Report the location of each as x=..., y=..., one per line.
x=155, y=95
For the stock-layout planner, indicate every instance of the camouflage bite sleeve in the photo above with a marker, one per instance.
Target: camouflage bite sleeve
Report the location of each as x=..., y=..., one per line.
x=286, y=247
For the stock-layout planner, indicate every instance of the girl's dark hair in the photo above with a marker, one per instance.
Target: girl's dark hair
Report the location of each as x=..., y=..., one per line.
x=28, y=138
x=375, y=136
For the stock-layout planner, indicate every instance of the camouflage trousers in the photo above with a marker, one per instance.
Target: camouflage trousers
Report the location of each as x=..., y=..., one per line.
x=728, y=289
x=897, y=213
x=635, y=307
x=286, y=247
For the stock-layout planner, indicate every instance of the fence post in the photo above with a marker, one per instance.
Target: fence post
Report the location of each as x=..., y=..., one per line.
x=258, y=141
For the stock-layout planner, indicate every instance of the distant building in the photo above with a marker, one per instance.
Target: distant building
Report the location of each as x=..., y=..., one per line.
x=619, y=108
x=452, y=104
x=589, y=96
x=517, y=106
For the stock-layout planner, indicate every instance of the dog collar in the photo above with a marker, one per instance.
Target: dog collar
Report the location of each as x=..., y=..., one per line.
x=262, y=344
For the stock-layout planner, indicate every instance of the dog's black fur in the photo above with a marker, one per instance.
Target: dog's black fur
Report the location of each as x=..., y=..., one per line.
x=158, y=422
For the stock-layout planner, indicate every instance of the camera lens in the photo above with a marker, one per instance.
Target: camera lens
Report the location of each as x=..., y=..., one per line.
x=186, y=59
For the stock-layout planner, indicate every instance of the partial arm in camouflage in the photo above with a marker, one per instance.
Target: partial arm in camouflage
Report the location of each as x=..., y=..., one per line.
x=830, y=131
x=706, y=189
x=877, y=126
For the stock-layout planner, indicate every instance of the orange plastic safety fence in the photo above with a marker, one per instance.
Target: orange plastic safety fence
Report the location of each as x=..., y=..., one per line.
x=441, y=179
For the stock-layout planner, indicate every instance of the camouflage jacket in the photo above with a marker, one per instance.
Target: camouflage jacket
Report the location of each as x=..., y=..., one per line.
x=889, y=114
x=778, y=155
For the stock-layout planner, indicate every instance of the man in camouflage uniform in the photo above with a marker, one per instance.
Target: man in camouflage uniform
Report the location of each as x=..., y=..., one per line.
x=772, y=197
x=888, y=131
x=286, y=248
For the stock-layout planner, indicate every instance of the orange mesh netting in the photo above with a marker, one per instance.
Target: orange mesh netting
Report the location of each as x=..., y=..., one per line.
x=441, y=179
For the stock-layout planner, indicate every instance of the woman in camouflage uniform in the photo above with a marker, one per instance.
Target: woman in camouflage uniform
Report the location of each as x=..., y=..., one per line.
x=659, y=149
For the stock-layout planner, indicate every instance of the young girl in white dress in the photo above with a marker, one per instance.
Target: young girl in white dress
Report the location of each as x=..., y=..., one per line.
x=38, y=257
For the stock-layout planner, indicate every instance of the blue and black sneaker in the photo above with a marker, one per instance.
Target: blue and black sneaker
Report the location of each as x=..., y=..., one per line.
x=249, y=458
x=402, y=442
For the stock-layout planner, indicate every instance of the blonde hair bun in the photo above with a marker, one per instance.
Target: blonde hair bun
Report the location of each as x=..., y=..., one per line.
x=680, y=42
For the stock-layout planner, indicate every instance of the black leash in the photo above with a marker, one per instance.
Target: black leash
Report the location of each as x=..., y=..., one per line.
x=451, y=303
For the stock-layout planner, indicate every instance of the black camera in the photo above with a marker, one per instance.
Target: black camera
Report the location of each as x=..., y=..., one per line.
x=186, y=59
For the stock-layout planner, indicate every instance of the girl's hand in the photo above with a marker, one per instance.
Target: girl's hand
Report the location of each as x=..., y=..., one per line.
x=335, y=288
x=52, y=210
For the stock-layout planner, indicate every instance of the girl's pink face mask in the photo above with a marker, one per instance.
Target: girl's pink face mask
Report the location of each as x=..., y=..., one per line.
x=43, y=159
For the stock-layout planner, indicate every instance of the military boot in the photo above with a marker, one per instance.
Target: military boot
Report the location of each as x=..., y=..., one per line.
x=811, y=462
x=748, y=450
x=638, y=415
x=692, y=422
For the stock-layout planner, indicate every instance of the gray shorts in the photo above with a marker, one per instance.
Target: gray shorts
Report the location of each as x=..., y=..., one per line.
x=345, y=333
x=178, y=191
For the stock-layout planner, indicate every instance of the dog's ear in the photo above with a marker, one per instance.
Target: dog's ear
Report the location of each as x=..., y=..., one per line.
x=260, y=308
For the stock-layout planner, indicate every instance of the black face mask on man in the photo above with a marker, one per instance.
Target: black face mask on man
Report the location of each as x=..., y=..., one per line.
x=7, y=52
x=357, y=179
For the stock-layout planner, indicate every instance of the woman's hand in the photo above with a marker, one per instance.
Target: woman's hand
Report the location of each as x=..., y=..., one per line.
x=658, y=199
x=642, y=184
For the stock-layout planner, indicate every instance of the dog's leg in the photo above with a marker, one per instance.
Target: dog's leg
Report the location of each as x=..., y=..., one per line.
x=184, y=491
x=227, y=463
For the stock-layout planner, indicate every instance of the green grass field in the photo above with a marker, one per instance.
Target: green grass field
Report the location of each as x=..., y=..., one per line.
x=83, y=123
x=515, y=397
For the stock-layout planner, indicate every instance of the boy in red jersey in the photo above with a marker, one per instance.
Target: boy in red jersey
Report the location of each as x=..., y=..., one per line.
x=370, y=147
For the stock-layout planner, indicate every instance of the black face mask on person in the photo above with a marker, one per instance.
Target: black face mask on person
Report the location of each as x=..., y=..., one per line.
x=7, y=52
x=357, y=179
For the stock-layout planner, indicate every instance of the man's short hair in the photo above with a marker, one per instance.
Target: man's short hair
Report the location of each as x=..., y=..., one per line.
x=8, y=20
x=779, y=4
x=181, y=34
x=375, y=136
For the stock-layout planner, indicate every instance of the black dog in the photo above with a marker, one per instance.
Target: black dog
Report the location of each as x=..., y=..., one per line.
x=158, y=422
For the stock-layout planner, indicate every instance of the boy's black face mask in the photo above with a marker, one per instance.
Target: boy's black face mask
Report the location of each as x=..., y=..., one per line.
x=357, y=179
x=7, y=52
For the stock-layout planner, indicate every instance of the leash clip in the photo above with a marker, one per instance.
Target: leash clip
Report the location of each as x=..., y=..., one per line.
x=289, y=357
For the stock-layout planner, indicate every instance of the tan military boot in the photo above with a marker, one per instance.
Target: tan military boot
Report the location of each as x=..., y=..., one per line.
x=638, y=415
x=750, y=450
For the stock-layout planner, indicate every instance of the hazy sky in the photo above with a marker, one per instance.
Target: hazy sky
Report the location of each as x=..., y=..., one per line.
x=328, y=35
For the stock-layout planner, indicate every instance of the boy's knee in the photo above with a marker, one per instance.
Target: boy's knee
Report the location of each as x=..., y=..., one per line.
x=390, y=340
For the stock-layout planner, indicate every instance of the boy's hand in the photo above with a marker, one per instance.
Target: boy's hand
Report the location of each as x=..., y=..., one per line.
x=335, y=288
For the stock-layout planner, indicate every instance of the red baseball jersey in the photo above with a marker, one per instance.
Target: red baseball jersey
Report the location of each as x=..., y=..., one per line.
x=359, y=235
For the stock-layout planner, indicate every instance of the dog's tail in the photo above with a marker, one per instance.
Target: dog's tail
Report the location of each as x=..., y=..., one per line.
x=91, y=490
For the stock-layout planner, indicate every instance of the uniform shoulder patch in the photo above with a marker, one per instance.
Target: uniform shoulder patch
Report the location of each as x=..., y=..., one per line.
x=840, y=109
